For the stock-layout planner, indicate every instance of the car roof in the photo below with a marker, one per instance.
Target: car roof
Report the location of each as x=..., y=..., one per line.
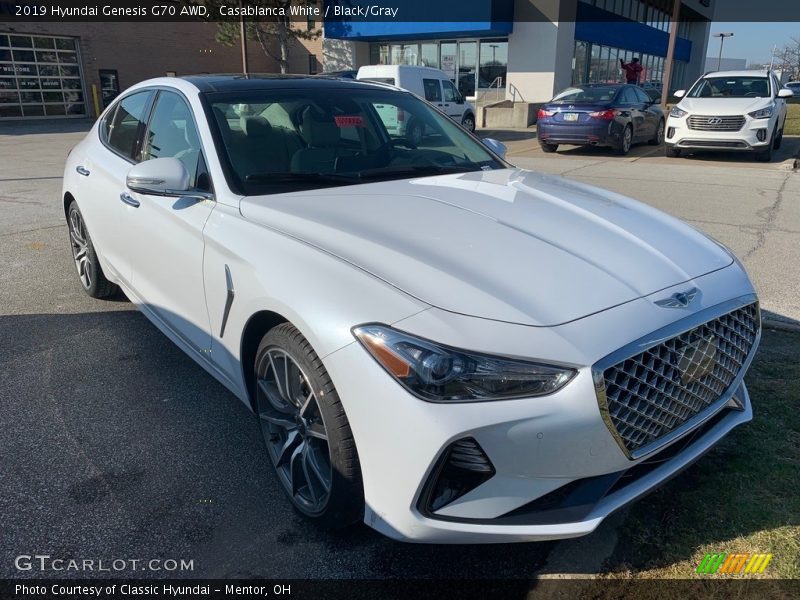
x=395, y=68
x=599, y=85
x=737, y=74
x=267, y=81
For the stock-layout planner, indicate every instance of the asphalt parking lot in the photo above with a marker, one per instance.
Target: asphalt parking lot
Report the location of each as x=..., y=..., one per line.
x=116, y=445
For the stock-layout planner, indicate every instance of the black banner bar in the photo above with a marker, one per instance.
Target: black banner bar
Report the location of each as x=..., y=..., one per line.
x=368, y=11
x=572, y=589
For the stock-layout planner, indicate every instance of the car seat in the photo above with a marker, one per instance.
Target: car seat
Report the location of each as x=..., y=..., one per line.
x=321, y=134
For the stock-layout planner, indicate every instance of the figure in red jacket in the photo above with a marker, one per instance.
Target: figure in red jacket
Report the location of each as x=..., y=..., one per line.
x=632, y=70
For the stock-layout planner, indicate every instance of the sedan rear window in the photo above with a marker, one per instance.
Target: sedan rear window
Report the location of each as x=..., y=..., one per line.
x=586, y=94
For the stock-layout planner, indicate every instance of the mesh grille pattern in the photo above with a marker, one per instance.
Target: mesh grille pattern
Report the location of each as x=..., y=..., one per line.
x=656, y=391
x=704, y=123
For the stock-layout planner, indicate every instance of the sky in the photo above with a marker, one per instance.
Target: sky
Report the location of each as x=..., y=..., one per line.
x=753, y=41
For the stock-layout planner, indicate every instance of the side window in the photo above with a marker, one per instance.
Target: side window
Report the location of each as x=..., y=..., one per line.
x=450, y=91
x=641, y=95
x=125, y=131
x=628, y=96
x=172, y=133
x=433, y=91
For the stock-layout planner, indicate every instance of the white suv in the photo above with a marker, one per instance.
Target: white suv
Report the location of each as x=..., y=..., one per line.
x=731, y=110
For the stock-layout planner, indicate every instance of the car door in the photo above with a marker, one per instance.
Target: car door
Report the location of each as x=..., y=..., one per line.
x=652, y=114
x=433, y=92
x=453, y=101
x=780, y=103
x=168, y=231
x=104, y=168
x=630, y=104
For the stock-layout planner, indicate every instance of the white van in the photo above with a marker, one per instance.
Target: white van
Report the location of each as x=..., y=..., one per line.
x=431, y=84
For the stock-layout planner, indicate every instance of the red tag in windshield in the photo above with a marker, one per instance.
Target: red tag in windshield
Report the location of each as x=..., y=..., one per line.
x=348, y=121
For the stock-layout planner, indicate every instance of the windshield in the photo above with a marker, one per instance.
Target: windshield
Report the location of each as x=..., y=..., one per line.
x=587, y=94
x=285, y=140
x=731, y=87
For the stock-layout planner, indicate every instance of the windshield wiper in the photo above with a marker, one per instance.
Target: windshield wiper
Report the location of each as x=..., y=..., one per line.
x=282, y=177
x=366, y=174
x=416, y=170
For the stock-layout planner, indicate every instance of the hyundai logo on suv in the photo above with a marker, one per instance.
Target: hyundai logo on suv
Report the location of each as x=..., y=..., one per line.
x=714, y=121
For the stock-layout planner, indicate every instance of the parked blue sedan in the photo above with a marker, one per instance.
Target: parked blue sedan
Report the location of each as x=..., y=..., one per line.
x=602, y=114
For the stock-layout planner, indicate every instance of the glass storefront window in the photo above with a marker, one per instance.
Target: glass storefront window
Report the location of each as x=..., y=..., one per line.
x=429, y=55
x=494, y=63
x=593, y=63
x=471, y=64
x=467, y=66
x=404, y=54
x=449, y=52
x=40, y=76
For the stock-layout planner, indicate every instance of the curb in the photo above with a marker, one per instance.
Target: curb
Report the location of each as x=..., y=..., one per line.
x=780, y=325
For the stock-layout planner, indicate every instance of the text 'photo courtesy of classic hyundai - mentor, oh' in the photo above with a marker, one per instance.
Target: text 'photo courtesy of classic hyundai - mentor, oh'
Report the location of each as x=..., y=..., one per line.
x=436, y=343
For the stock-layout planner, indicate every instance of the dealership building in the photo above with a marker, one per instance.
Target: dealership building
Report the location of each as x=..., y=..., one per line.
x=523, y=50
x=59, y=69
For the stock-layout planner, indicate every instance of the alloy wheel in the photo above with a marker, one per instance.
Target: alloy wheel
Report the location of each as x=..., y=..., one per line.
x=627, y=136
x=294, y=430
x=469, y=123
x=80, y=247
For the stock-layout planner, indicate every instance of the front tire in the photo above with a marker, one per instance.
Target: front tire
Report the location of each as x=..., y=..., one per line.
x=468, y=122
x=778, y=140
x=672, y=152
x=766, y=154
x=90, y=273
x=306, y=430
x=659, y=137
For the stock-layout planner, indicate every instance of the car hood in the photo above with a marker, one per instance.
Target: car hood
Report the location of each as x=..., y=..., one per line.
x=510, y=245
x=723, y=106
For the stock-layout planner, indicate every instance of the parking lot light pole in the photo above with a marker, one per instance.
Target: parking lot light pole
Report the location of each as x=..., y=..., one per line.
x=666, y=80
x=243, y=36
x=721, y=37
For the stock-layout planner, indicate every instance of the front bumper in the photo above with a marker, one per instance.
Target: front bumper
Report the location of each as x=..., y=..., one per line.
x=755, y=135
x=539, y=447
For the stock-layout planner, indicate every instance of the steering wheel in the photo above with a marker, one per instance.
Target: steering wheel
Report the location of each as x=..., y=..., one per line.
x=394, y=143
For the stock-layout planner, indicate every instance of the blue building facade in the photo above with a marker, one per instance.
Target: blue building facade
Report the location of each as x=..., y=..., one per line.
x=500, y=49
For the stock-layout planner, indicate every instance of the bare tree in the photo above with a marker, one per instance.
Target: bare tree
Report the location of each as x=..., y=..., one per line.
x=274, y=34
x=787, y=58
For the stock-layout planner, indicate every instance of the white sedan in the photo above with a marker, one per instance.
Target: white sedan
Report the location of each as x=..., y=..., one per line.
x=434, y=342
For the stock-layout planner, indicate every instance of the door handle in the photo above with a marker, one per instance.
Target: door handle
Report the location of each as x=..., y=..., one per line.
x=82, y=170
x=447, y=105
x=129, y=200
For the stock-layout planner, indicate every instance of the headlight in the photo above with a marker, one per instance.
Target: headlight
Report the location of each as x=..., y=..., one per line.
x=764, y=113
x=439, y=373
x=677, y=112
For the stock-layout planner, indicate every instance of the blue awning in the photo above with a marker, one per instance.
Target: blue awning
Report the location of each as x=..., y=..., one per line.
x=423, y=19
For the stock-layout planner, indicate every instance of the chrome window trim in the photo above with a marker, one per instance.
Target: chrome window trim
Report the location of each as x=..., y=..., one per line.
x=658, y=337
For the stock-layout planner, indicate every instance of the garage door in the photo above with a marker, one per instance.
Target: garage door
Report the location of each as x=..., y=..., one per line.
x=40, y=76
